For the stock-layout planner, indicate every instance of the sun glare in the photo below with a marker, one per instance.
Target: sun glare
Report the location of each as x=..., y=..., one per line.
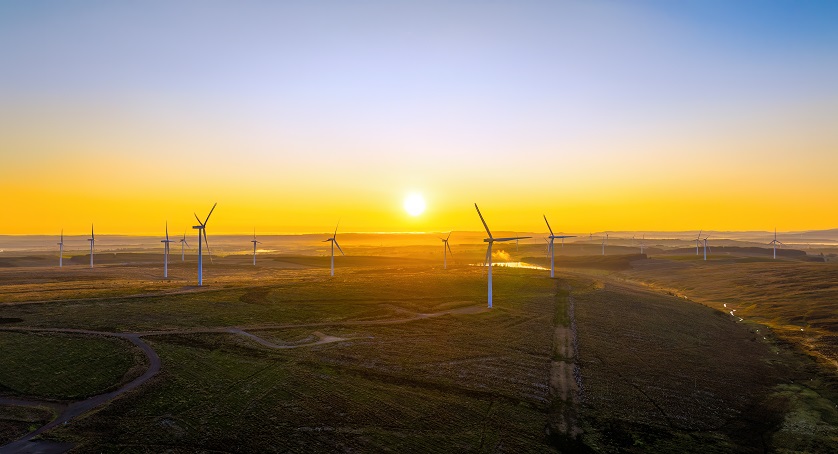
x=414, y=204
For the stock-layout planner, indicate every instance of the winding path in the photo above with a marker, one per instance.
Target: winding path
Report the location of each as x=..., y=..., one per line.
x=67, y=412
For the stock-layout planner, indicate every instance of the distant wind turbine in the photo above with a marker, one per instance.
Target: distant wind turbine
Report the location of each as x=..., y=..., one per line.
x=183, y=242
x=553, y=237
x=446, y=248
x=334, y=242
x=705, y=246
x=61, y=250
x=604, y=242
x=166, y=252
x=202, y=229
x=642, y=243
x=254, y=245
x=775, y=243
x=92, y=240
x=491, y=240
x=698, y=241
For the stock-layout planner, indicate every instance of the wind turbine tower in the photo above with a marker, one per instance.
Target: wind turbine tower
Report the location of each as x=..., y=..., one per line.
x=705, y=246
x=775, y=243
x=183, y=242
x=92, y=240
x=698, y=241
x=166, y=252
x=604, y=242
x=202, y=229
x=61, y=250
x=446, y=248
x=553, y=237
x=334, y=242
x=491, y=240
x=254, y=245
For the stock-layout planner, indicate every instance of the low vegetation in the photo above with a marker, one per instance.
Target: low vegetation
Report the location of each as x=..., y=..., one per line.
x=62, y=366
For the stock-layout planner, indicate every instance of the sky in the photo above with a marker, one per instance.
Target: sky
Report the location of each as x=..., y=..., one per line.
x=293, y=115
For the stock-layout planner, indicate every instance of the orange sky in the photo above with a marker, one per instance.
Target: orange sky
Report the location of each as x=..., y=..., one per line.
x=603, y=116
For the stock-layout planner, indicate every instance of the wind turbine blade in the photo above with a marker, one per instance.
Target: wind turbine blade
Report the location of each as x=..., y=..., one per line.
x=449, y=248
x=699, y=233
x=210, y=213
x=167, y=232
x=548, y=225
x=91, y=232
x=449, y=236
x=206, y=241
x=483, y=220
x=197, y=218
x=338, y=245
x=336, y=229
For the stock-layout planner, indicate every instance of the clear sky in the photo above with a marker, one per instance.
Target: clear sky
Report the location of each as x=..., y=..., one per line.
x=604, y=115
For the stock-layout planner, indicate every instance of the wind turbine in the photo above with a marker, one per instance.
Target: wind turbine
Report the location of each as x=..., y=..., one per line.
x=166, y=252
x=705, y=246
x=61, y=250
x=254, y=245
x=202, y=229
x=553, y=237
x=446, y=248
x=182, y=242
x=491, y=240
x=775, y=243
x=548, y=248
x=92, y=240
x=334, y=242
x=698, y=241
x=642, y=243
x=604, y=241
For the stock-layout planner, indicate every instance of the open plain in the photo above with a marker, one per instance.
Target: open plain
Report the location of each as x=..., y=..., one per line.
x=396, y=354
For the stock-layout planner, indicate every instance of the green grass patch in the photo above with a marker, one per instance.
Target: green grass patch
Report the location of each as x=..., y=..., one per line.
x=59, y=366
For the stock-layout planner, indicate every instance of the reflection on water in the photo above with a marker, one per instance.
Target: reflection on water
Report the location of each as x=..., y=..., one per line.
x=526, y=265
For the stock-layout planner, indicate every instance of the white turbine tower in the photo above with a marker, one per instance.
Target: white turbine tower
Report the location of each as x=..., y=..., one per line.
x=553, y=237
x=166, y=252
x=698, y=241
x=604, y=242
x=183, y=242
x=775, y=243
x=491, y=240
x=642, y=243
x=446, y=248
x=202, y=229
x=334, y=242
x=705, y=246
x=61, y=250
x=254, y=245
x=92, y=240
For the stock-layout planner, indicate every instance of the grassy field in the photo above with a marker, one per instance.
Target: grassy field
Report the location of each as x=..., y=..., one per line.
x=474, y=381
x=414, y=361
x=17, y=421
x=63, y=367
x=661, y=374
x=797, y=300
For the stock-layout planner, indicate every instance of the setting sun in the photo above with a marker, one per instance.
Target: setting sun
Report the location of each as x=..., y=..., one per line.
x=414, y=204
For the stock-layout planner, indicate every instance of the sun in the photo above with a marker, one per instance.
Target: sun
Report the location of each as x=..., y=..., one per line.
x=414, y=204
